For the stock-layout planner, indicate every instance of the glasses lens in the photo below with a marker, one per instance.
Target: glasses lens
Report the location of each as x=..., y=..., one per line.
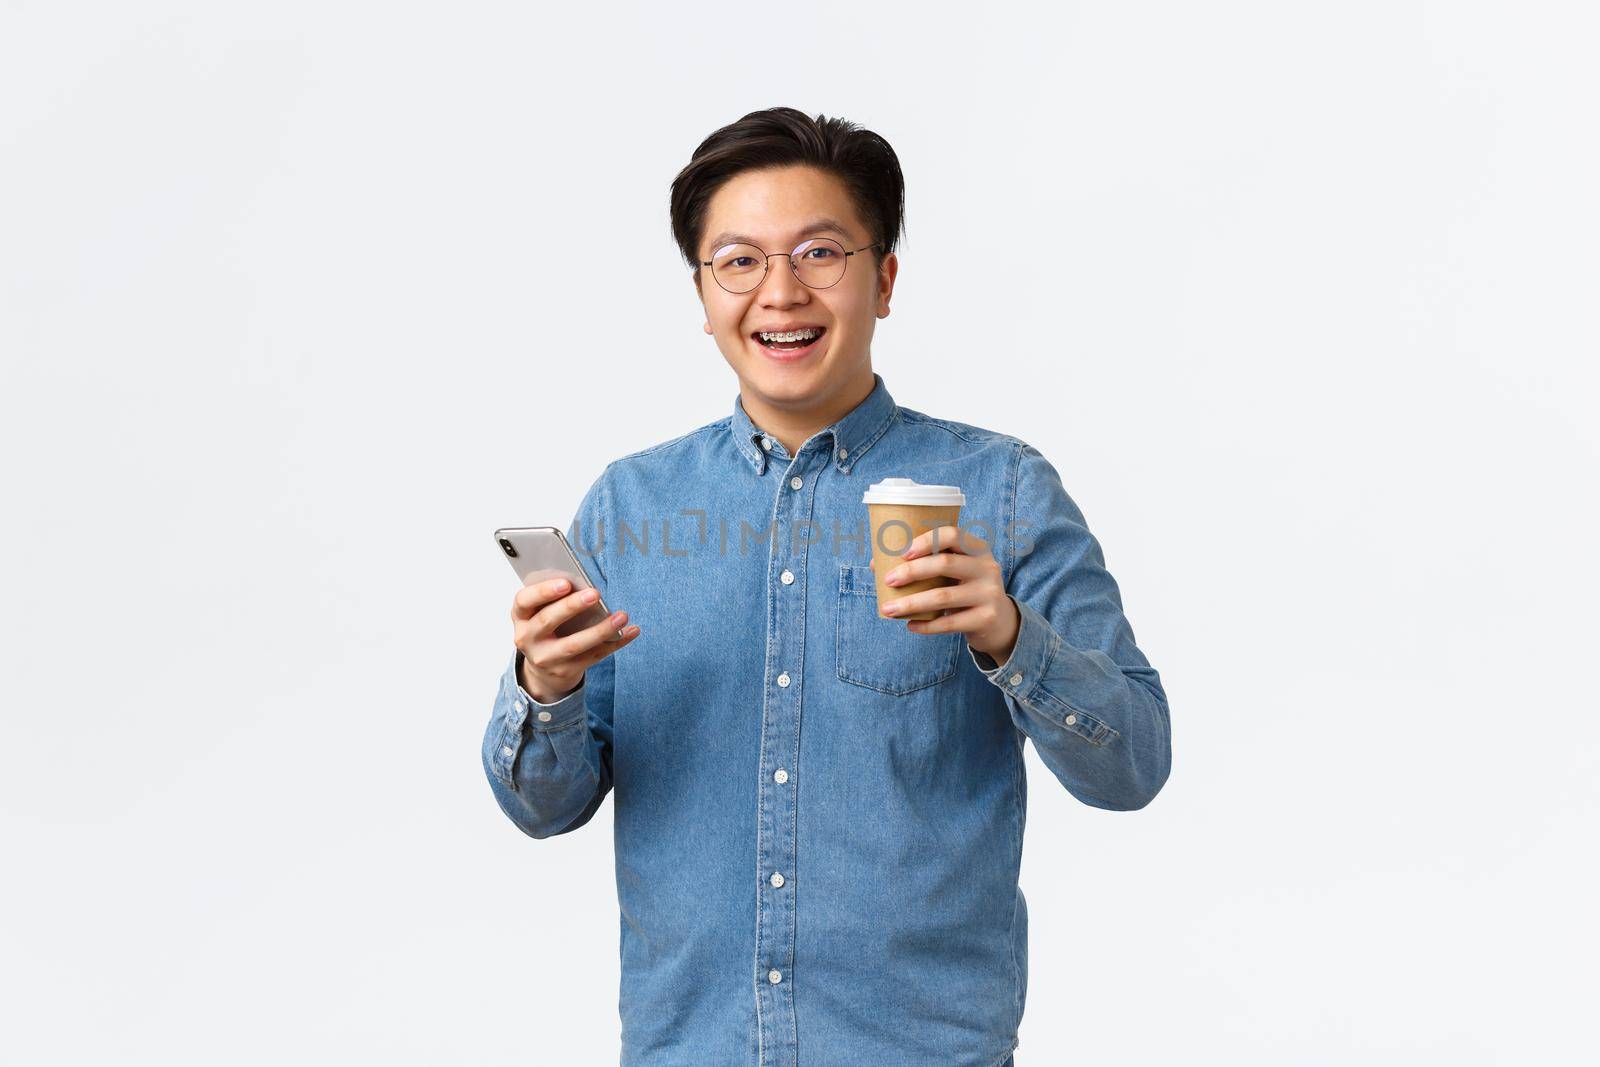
x=738, y=268
x=819, y=262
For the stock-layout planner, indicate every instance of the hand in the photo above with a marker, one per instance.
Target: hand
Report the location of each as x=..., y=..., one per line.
x=553, y=666
x=976, y=605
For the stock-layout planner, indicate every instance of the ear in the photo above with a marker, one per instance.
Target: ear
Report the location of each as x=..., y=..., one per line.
x=887, y=270
x=694, y=280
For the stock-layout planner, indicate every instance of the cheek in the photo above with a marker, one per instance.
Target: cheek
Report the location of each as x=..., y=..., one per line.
x=858, y=304
x=852, y=314
x=726, y=321
x=729, y=332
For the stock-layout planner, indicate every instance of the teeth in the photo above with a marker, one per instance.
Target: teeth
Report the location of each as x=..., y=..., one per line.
x=795, y=335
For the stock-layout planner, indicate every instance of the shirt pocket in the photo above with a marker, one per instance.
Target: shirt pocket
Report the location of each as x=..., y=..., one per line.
x=879, y=653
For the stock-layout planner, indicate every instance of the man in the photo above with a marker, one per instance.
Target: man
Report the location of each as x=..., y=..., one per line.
x=819, y=811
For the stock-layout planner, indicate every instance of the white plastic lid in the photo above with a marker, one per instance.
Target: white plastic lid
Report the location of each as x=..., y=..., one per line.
x=908, y=491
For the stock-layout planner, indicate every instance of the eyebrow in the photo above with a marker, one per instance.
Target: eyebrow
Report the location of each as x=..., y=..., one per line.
x=817, y=226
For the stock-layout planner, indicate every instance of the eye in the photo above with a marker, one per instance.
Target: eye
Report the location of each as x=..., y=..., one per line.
x=811, y=253
x=738, y=261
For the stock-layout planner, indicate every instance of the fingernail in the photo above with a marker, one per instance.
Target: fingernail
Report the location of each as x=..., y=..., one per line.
x=890, y=609
x=590, y=596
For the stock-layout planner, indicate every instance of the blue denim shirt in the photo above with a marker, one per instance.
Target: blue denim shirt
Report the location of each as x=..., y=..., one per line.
x=819, y=813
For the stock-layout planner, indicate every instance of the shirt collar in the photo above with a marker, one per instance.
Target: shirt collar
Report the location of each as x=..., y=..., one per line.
x=849, y=437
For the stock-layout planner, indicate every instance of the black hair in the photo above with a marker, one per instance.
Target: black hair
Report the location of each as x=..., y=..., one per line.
x=782, y=136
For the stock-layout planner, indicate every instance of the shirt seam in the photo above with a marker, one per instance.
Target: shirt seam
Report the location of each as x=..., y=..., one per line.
x=978, y=437
x=1013, y=477
x=722, y=423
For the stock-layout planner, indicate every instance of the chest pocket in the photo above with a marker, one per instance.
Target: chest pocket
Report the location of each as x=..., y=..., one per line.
x=879, y=653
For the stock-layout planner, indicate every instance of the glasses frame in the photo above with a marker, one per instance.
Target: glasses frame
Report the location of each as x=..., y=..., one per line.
x=766, y=266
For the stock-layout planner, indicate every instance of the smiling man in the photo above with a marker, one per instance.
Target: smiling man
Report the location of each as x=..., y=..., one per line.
x=819, y=810
x=791, y=384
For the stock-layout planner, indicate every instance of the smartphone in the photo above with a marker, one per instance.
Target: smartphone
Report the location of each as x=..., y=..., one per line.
x=540, y=553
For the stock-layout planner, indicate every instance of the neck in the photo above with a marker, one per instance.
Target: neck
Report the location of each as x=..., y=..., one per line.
x=793, y=425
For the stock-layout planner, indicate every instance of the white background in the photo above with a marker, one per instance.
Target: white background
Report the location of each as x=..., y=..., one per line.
x=1299, y=299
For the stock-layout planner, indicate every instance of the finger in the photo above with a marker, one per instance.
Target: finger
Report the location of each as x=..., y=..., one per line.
x=594, y=637
x=946, y=596
x=607, y=646
x=559, y=611
x=968, y=620
x=945, y=539
x=922, y=544
x=952, y=564
x=530, y=598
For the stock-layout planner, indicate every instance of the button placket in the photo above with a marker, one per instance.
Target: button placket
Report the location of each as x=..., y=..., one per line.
x=780, y=732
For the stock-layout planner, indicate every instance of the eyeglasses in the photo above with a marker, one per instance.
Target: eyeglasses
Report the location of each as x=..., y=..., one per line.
x=818, y=263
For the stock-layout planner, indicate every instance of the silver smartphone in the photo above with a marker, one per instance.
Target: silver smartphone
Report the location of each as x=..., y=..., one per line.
x=539, y=553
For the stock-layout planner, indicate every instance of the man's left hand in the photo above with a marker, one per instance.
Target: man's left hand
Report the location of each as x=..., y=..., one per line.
x=976, y=605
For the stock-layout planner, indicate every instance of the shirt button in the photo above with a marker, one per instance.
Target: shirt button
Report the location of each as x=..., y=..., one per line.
x=544, y=716
x=780, y=776
x=783, y=680
x=1071, y=720
x=507, y=750
x=774, y=976
x=1016, y=679
x=777, y=880
x=844, y=453
x=766, y=444
x=787, y=578
x=796, y=482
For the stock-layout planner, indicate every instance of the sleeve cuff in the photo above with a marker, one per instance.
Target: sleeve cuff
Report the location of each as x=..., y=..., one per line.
x=540, y=716
x=1039, y=649
x=1028, y=655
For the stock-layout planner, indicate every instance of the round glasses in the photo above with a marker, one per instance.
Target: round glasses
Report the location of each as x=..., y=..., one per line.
x=819, y=263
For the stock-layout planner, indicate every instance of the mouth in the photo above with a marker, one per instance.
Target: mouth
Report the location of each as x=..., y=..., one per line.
x=790, y=347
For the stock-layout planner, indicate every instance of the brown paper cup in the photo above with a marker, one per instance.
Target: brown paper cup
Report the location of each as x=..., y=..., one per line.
x=896, y=538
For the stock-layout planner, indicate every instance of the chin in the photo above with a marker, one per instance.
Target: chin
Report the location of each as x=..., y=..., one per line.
x=800, y=380
x=789, y=380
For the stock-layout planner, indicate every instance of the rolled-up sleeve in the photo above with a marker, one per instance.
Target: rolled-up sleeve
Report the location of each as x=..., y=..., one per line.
x=549, y=765
x=1076, y=682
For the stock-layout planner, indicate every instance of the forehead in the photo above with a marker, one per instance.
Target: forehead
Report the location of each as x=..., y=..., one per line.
x=778, y=205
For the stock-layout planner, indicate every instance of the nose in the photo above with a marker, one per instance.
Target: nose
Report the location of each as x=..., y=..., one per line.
x=781, y=287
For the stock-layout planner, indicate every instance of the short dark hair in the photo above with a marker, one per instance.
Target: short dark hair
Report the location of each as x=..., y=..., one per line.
x=782, y=136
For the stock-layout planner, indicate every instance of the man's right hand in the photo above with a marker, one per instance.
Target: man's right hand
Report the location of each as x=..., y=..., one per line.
x=553, y=666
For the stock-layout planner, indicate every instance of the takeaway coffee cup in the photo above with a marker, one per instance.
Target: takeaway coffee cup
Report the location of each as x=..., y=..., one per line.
x=898, y=509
